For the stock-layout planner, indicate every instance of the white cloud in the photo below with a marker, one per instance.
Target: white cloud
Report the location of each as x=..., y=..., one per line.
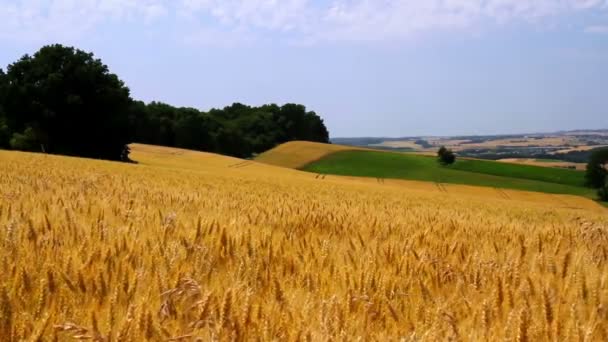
x=600, y=29
x=283, y=15
x=366, y=19
x=299, y=20
x=379, y=19
x=227, y=38
x=39, y=20
x=154, y=11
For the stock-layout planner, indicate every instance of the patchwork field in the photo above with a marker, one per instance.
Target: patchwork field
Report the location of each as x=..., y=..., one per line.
x=348, y=161
x=187, y=246
x=579, y=148
x=511, y=142
x=561, y=144
x=571, y=147
x=545, y=163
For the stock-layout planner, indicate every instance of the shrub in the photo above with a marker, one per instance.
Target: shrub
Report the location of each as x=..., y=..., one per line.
x=445, y=156
x=603, y=192
x=595, y=176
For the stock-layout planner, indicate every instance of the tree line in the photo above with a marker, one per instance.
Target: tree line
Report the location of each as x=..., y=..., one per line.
x=62, y=100
x=596, y=175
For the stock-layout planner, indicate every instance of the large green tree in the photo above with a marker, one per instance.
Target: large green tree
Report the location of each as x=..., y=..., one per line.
x=445, y=156
x=597, y=172
x=4, y=130
x=63, y=100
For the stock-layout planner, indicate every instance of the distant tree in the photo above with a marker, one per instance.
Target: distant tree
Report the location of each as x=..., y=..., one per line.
x=26, y=141
x=442, y=150
x=445, y=156
x=4, y=130
x=423, y=143
x=603, y=191
x=5, y=134
x=296, y=123
x=193, y=130
x=63, y=100
x=597, y=172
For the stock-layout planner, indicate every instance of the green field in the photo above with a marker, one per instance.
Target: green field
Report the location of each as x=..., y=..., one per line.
x=464, y=171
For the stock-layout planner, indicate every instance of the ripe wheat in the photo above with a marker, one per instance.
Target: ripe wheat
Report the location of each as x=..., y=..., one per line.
x=183, y=247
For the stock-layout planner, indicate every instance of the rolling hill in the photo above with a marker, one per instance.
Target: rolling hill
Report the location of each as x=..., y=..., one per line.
x=345, y=161
x=297, y=154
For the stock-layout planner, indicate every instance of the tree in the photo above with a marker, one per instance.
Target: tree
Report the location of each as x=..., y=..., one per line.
x=595, y=176
x=297, y=124
x=445, y=156
x=603, y=191
x=193, y=130
x=63, y=100
x=26, y=141
x=4, y=131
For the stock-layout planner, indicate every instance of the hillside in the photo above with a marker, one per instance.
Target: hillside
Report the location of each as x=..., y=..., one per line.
x=545, y=163
x=342, y=160
x=187, y=245
x=297, y=154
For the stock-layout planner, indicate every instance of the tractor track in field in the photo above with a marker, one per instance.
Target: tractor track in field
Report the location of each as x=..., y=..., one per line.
x=502, y=193
x=441, y=187
x=240, y=165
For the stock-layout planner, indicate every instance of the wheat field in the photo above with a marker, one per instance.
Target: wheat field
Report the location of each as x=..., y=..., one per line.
x=296, y=154
x=189, y=246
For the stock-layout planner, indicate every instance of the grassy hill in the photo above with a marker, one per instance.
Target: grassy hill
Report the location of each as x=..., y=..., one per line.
x=188, y=245
x=473, y=172
x=297, y=154
x=360, y=162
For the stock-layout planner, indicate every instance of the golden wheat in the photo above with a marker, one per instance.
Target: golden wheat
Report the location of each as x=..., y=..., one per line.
x=191, y=246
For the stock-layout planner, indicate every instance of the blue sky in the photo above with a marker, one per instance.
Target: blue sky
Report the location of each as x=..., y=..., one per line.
x=368, y=67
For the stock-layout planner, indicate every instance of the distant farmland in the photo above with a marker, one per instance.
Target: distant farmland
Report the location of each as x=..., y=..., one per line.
x=472, y=172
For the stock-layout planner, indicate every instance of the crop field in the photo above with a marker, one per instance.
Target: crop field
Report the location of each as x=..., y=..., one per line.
x=191, y=246
x=545, y=162
x=464, y=171
x=296, y=154
x=579, y=148
x=562, y=144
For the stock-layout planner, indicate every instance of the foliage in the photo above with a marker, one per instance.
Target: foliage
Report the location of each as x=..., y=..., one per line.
x=237, y=130
x=603, y=192
x=26, y=141
x=189, y=247
x=445, y=156
x=597, y=172
x=67, y=101
x=423, y=143
x=5, y=133
x=64, y=101
x=474, y=172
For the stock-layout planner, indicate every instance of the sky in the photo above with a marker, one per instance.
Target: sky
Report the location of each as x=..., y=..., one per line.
x=368, y=67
